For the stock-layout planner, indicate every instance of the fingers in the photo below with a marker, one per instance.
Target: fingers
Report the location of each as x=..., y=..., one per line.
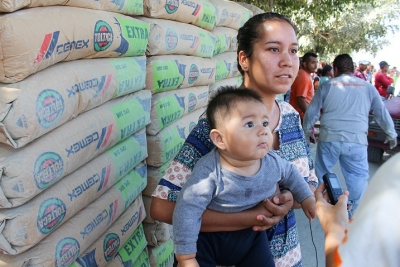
x=267, y=223
x=276, y=209
x=319, y=192
x=284, y=197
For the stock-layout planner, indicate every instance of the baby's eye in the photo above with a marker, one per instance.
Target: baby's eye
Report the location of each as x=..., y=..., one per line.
x=265, y=123
x=250, y=124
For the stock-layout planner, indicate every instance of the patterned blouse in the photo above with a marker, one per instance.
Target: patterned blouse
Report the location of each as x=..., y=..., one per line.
x=283, y=237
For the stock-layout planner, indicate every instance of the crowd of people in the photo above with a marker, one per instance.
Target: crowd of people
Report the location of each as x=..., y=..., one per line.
x=231, y=190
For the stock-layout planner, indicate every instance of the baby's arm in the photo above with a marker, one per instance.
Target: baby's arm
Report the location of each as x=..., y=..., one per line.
x=192, y=200
x=188, y=260
x=308, y=206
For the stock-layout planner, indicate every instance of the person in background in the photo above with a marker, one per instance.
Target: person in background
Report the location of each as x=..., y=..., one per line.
x=370, y=71
x=236, y=175
x=361, y=70
x=317, y=78
x=302, y=90
x=372, y=237
x=343, y=105
x=327, y=73
x=382, y=80
x=268, y=60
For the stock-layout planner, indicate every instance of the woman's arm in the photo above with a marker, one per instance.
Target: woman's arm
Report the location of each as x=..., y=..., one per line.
x=262, y=217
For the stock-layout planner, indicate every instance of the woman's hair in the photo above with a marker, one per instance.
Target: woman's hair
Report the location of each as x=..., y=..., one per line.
x=343, y=63
x=252, y=31
x=327, y=68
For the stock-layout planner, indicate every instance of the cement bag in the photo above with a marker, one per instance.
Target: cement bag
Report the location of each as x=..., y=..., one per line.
x=197, y=12
x=28, y=224
x=52, y=213
x=163, y=255
x=157, y=233
x=234, y=81
x=226, y=40
x=169, y=37
x=64, y=33
x=126, y=260
x=254, y=9
x=58, y=94
x=168, y=107
x=62, y=247
x=147, y=204
x=27, y=171
x=163, y=146
x=178, y=71
x=154, y=175
x=126, y=238
x=226, y=66
x=142, y=261
x=230, y=14
x=130, y=7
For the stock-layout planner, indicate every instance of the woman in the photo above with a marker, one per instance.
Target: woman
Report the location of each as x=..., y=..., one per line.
x=327, y=73
x=268, y=60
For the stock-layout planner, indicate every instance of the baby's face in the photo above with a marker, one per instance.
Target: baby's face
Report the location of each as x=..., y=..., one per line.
x=246, y=131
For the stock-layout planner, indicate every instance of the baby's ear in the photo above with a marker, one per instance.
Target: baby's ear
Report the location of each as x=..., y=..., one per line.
x=217, y=138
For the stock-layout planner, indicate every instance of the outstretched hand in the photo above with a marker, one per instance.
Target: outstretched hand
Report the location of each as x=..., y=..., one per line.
x=333, y=218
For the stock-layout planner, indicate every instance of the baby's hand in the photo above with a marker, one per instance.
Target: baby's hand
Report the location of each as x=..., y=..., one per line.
x=308, y=206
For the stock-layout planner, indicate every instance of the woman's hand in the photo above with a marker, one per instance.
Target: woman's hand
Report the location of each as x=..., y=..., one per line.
x=272, y=211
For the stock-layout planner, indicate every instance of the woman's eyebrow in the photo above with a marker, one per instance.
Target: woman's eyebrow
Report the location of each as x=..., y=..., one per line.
x=279, y=42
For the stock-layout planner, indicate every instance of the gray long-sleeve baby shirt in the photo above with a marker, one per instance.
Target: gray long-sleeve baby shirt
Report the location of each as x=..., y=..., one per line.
x=213, y=187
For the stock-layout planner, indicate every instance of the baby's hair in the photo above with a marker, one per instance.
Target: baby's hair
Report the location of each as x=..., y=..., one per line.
x=225, y=99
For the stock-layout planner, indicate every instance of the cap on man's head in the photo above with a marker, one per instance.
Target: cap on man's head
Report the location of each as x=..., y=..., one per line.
x=363, y=62
x=383, y=64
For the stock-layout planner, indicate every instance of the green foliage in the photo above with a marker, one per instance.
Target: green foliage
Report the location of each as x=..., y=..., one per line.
x=332, y=27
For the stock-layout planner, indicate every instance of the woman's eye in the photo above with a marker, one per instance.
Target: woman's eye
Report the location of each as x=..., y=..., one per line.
x=294, y=51
x=265, y=123
x=249, y=124
x=274, y=49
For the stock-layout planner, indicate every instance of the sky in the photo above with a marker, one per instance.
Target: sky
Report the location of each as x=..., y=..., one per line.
x=390, y=53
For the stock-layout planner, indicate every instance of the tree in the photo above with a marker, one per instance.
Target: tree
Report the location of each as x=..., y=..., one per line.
x=331, y=27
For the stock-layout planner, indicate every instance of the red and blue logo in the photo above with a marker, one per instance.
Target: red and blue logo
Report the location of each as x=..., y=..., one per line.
x=48, y=46
x=196, y=10
x=112, y=212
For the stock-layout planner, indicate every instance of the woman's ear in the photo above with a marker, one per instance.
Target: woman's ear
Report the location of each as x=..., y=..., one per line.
x=217, y=138
x=243, y=61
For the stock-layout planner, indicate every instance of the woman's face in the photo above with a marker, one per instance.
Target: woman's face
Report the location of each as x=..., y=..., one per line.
x=274, y=64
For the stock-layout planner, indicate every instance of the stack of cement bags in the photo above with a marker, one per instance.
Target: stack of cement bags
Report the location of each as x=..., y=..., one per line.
x=73, y=112
x=192, y=46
